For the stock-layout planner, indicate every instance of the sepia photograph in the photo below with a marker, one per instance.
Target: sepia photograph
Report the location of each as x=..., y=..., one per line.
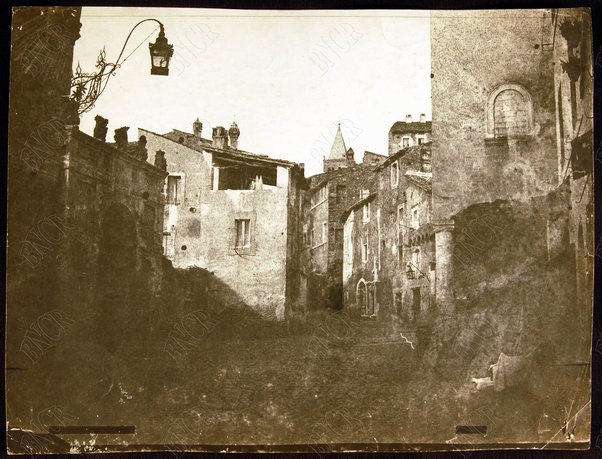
x=299, y=230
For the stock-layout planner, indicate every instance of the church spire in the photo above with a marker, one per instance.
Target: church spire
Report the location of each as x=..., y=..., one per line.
x=338, y=149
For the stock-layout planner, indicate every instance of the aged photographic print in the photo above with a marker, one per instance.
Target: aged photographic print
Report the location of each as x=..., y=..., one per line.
x=310, y=231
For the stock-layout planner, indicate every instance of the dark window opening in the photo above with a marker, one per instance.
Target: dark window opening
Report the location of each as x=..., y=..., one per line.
x=231, y=175
x=416, y=300
x=173, y=189
x=338, y=235
x=243, y=233
x=341, y=191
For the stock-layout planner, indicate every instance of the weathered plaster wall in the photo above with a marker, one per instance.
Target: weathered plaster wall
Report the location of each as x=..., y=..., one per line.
x=472, y=54
x=204, y=222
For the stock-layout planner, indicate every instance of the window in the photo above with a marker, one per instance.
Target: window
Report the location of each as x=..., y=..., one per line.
x=416, y=258
x=421, y=139
x=366, y=213
x=168, y=244
x=415, y=217
x=405, y=142
x=400, y=224
x=229, y=174
x=364, y=193
x=416, y=301
x=394, y=174
x=509, y=111
x=305, y=241
x=173, y=189
x=243, y=234
x=341, y=191
x=338, y=235
x=364, y=250
x=319, y=196
x=324, y=232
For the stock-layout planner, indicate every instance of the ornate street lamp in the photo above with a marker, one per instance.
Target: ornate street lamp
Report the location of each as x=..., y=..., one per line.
x=410, y=273
x=161, y=52
x=86, y=88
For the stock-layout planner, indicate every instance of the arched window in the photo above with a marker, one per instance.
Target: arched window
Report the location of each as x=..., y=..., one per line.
x=509, y=112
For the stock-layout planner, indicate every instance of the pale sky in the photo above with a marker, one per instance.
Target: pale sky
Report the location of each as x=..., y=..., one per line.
x=287, y=78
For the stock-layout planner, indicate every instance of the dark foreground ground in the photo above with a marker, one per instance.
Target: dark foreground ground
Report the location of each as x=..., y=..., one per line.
x=231, y=379
x=335, y=380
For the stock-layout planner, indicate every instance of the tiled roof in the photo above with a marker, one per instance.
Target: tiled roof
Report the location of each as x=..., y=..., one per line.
x=408, y=155
x=421, y=180
x=415, y=126
x=357, y=205
x=191, y=141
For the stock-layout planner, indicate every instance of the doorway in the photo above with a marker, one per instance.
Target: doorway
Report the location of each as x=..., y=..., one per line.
x=416, y=301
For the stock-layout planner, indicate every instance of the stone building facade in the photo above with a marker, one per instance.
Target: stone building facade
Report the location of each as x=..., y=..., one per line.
x=404, y=134
x=233, y=213
x=493, y=123
x=84, y=225
x=505, y=123
x=327, y=197
x=362, y=257
x=388, y=264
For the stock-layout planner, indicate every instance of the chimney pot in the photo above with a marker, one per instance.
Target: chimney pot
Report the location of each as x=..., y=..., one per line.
x=234, y=133
x=160, y=160
x=100, y=130
x=408, y=118
x=220, y=137
x=142, y=152
x=197, y=128
x=422, y=118
x=121, y=138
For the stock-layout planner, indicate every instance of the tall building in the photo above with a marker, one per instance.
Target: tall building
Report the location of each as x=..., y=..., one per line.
x=388, y=261
x=511, y=156
x=84, y=227
x=233, y=213
x=327, y=197
x=493, y=122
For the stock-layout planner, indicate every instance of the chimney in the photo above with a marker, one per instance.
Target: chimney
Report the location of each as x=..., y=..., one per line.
x=422, y=118
x=408, y=118
x=100, y=130
x=160, y=161
x=234, y=132
x=121, y=138
x=220, y=137
x=197, y=128
x=142, y=152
